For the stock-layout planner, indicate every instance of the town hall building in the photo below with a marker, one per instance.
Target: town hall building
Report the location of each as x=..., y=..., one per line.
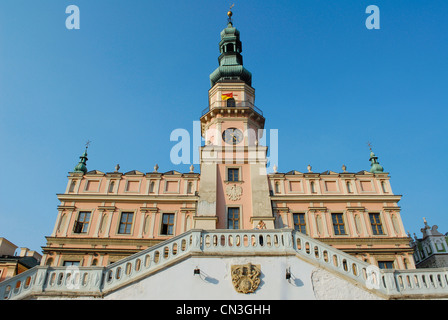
x=233, y=230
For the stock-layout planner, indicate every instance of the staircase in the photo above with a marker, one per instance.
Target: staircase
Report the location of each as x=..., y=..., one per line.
x=96, y=282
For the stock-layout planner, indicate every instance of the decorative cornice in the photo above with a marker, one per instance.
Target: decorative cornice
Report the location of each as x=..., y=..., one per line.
x=107, y=208
x=149, y=209
x=124, y=197
x=391, y=208
x=356, y=209
x=66, y=207
x=333, y=197
x=317, y=209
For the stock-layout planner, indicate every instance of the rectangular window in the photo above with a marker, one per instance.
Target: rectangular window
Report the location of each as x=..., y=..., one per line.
x=70, y=263
x=126, y=223
x=167, y=224
x=338, y=223
x=299, y=222
x=233, y=218
x=375, y=221
x=82, y=224
x=386, y=264
x=233, y=174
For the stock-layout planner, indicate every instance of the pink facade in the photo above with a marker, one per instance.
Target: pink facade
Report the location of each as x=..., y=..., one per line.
x=104, y=217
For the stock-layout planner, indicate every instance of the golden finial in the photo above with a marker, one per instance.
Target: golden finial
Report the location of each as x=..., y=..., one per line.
x=230, y=13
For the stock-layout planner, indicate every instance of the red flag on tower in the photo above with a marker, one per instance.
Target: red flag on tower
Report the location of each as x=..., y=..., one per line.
x=226, y=96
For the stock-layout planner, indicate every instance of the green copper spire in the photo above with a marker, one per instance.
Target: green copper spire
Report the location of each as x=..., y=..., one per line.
x=81, y=166
x=230, y=60
x=375, y=167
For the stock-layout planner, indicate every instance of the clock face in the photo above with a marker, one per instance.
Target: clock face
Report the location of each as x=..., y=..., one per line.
x=232, y=136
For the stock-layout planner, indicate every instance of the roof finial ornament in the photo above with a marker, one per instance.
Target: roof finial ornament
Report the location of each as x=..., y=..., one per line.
x=88, y=144
x=81, y=166
x=375, y=167
x=230, y=14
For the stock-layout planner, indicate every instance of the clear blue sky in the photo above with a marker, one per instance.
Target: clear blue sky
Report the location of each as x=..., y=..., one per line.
x=137, y=70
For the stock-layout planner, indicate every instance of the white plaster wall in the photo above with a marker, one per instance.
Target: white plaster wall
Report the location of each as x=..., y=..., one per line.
x=178, y=282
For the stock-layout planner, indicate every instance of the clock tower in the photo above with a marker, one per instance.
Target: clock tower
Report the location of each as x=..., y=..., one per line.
x=234, y=191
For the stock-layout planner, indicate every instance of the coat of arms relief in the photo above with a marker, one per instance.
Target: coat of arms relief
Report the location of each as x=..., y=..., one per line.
x=246, y=278
x=234, y=192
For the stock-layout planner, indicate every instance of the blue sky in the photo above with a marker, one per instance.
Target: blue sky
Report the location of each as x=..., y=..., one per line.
x=137, y=70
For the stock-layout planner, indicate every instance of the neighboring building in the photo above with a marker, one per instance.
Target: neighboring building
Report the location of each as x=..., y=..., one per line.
x=12, y=264
x=431, y=251
x=105, y=217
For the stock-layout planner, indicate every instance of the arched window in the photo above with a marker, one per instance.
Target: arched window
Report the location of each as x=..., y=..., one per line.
x=230, y=47
x=111, y=186
x=277, y=187
x=231, y=102
x=349, y=187
x=72, y=186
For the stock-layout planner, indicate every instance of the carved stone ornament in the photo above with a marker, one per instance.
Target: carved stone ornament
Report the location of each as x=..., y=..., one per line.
x=234, y=192
x=246, y=278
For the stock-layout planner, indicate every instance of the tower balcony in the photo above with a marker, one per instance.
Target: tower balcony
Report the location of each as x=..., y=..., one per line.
x=232, y=105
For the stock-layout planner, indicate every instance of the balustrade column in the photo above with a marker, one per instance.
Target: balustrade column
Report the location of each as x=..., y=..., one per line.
x=196, y=240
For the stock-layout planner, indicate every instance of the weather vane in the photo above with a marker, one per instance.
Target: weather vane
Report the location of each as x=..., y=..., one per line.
x=88, y=143
x=230, y=13
x=370, y=145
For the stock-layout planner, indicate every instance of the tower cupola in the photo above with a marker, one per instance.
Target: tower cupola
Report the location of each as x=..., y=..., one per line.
x=81, y=166
x=230, y=60
x=375, y=167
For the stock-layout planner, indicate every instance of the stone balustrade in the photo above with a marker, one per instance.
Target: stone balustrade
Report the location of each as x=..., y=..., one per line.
x=98, y=281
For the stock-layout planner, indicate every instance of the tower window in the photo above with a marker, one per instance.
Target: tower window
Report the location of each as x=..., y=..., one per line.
x=386, y=264
x=299, y=222
x=82, y=224
x=126, y=223
x=167, y=224
x=233, y=218
x=338, y=224
x=231, y=102
x=233, y=174
x=230, y=47
x=375, y=221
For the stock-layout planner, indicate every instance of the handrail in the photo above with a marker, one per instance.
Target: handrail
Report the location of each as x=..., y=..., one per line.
x=98, y=281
